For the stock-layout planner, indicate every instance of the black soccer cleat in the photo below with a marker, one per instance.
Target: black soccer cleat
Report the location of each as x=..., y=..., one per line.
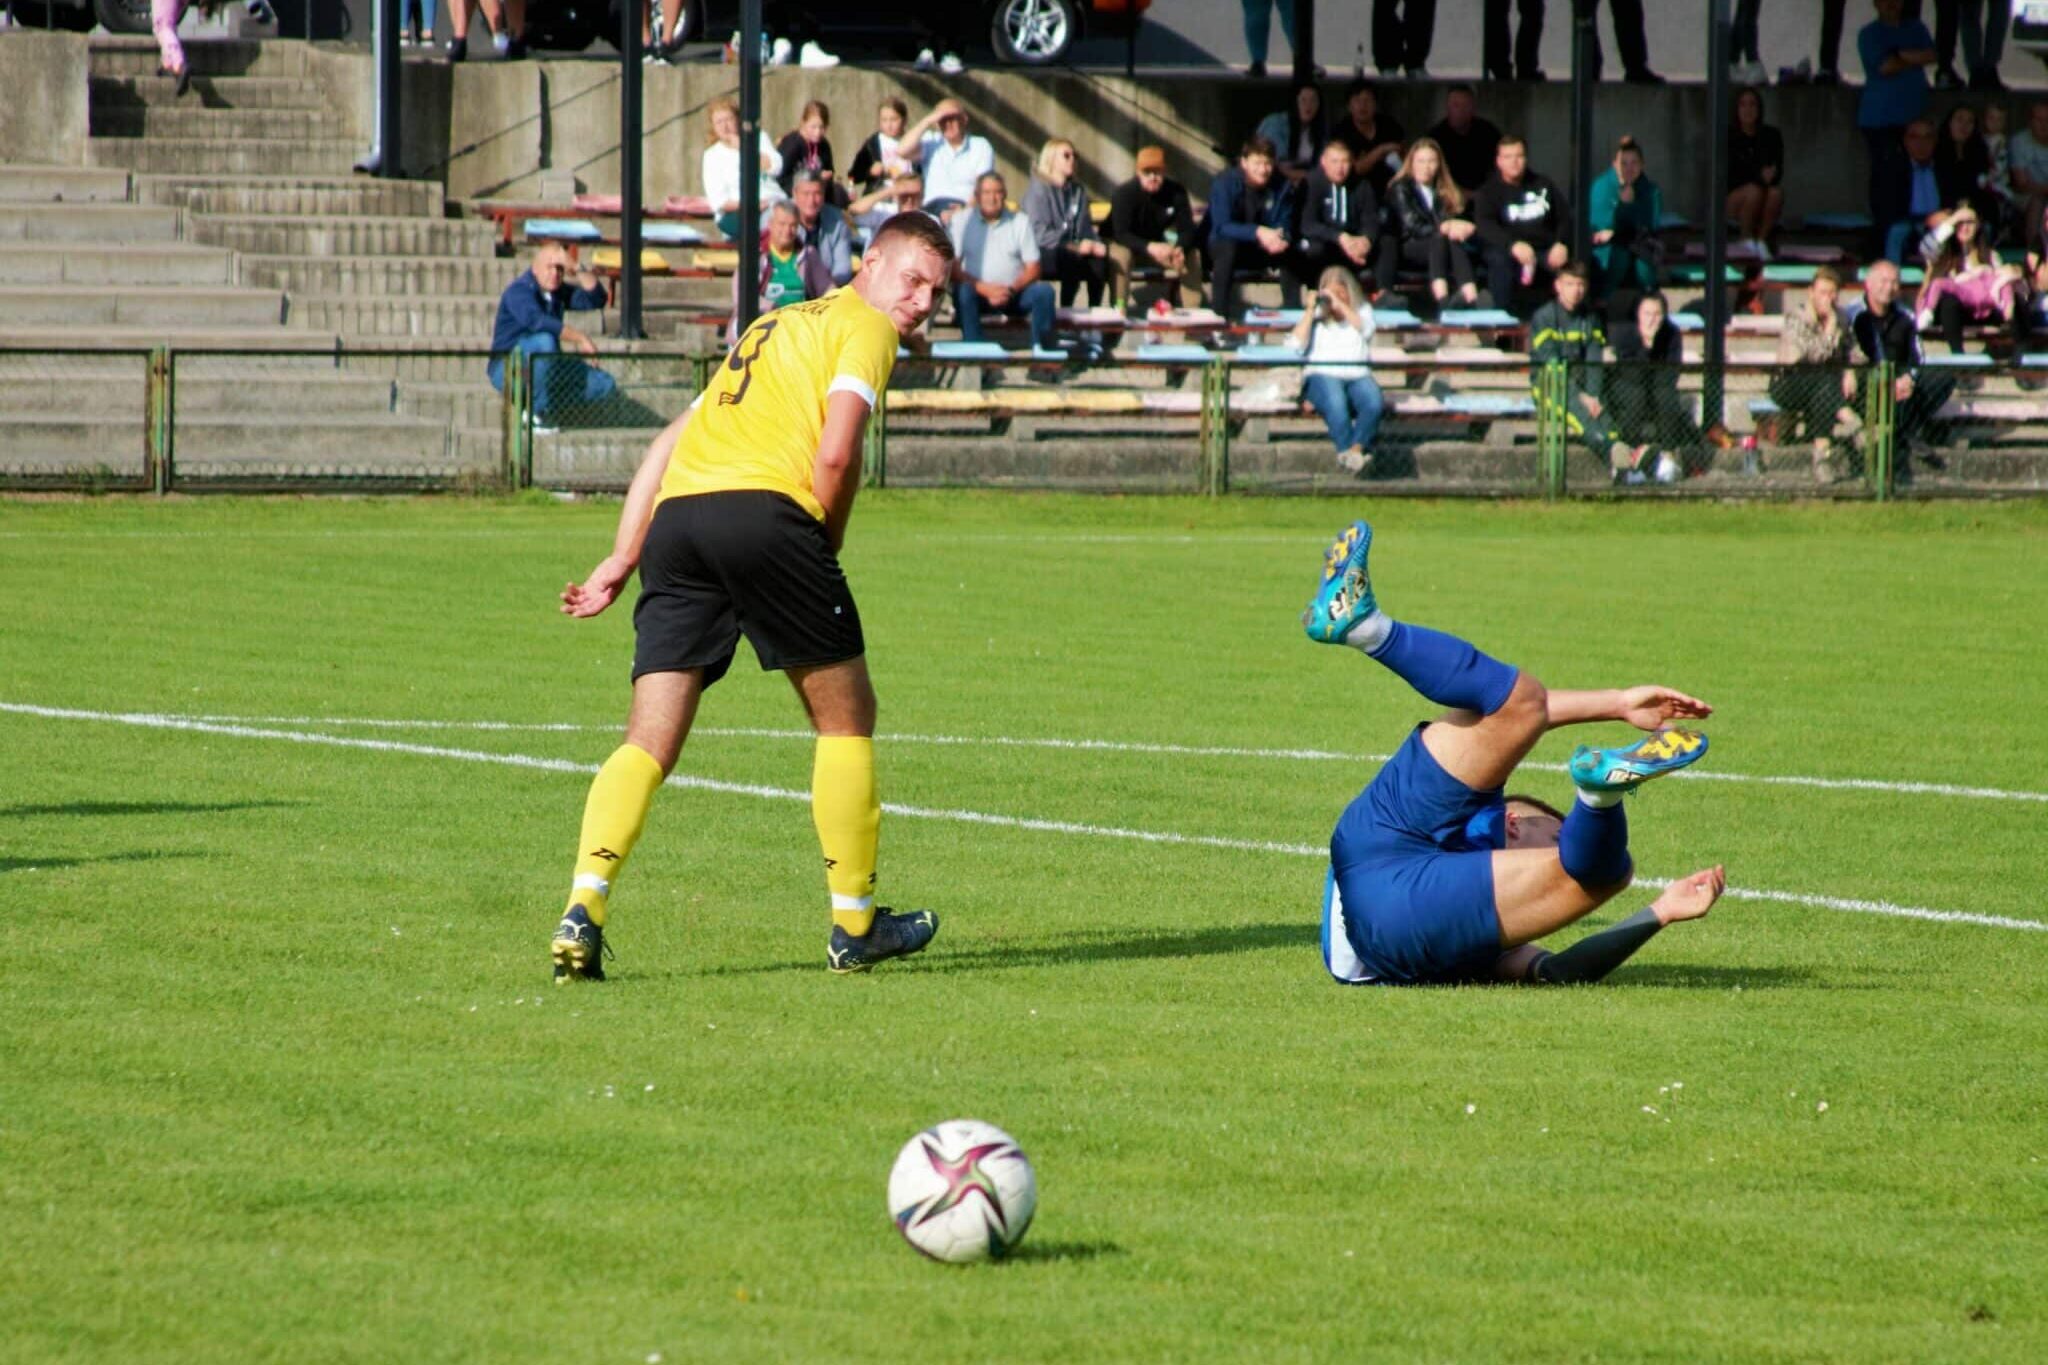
x=891, y=935
x=579, y=948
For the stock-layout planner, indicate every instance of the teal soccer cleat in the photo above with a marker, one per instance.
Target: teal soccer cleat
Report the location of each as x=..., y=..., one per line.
x=1623, y=770
x=1345, y=597
x=891, y=935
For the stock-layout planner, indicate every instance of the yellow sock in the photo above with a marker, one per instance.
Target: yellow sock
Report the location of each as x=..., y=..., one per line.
x=848, y=814
x=619, y=797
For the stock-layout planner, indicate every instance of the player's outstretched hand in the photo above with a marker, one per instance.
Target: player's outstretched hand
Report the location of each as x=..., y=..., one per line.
x=1691, y=897
x=1652, y=708
x=598, y=591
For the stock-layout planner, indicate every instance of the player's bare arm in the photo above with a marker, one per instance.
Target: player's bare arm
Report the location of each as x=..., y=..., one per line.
x=835, y=478
x=601, y=588
x=1646, y=708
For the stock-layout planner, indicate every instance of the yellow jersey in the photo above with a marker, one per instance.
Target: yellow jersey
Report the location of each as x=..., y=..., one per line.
x=758, y=422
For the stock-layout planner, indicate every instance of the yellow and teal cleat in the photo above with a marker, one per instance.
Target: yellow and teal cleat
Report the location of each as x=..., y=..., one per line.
x=1623, y=770
x=1344, y=597
x=579, y=948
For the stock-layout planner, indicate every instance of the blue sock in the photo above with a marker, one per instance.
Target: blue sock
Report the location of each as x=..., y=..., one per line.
x=1593, y=845
x=1445, y=669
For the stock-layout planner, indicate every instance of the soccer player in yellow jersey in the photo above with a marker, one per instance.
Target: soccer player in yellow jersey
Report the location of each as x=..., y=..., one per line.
x=734, y=521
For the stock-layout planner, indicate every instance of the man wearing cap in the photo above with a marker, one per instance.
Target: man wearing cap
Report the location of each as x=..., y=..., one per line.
x=1152, y=226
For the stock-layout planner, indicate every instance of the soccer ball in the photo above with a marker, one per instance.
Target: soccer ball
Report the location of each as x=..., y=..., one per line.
x=962, y=1191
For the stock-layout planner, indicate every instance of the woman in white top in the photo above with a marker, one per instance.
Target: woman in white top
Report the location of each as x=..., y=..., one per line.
x=1335, y=334
x=722, y=168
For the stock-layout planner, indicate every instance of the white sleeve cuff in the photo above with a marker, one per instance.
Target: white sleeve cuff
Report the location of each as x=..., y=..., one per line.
x=847, y=383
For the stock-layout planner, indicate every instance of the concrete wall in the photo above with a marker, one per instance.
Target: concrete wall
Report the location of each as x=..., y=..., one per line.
x=43, y=117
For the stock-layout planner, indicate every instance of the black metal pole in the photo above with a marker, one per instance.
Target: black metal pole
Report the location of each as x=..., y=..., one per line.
x=1304, y=39
x=750, y=162
x=1718, y=36
x=1131, y=42
x=1585, y=33
x=629, y=172
x=386, y=40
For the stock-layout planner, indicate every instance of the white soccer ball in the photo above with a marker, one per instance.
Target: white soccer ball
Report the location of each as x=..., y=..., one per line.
x=961, y=1191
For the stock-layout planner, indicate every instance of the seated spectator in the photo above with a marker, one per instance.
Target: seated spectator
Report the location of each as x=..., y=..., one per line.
x=1643, y=393
x=1885, y=334
x=996, y=266
x=901, y=195
x=1565, y=331
x=1624, y=210
x=1909, y=200
x=1998, y=179
x=1813, y=387
x=952, y=161
x=1152, y=225
x=721, y=167
x=1335, y=338
x=1251, y=227
x=1376, y=139
x=1962, y=167
x=1966, y=282
x=1756, y=173
x=1340, y=217
x=791, y=270
x=1523, y=220
x=1297, y=132
x=806, y=148
x=881, y=158
x=1057, y=208
x=531, y=320
x=1464, y=140
x=2028, y=161
x=822, y=227
x=1427, y=228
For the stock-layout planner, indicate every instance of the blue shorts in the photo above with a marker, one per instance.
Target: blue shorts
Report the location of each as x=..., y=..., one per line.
x=1409, y=897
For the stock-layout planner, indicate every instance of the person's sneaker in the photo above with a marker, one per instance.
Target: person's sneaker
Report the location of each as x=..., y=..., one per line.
x=782, y=53
x=1256, y=71
x=458, y=49
x=260, y=12
x=1668, y=468
x=500, y=41
x=1357, y=459
x=578, y=948
x=514, y=50
x=951, y=65
x=814, y=58
x=1642, y=75
x=925, y=60
x=1345, y=596
x=1623, y=770
x=1418, y=72
x=891, y=935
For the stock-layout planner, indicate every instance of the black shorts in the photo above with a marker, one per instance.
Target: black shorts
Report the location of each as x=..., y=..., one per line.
x=719, y=565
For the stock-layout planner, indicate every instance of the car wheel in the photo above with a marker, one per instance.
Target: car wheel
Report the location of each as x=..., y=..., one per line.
x=570, y=26
x=54, y=14
x=122, y=16
x=1033, y=32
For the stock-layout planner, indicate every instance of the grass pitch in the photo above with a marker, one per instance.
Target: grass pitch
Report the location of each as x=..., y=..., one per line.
x=282, y=1077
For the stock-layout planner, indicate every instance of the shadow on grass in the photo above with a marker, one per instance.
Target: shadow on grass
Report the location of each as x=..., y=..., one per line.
x=93, y=808
x=1042, y=1252
x=1682, y=975
x=1077, y=949
x=34, y=864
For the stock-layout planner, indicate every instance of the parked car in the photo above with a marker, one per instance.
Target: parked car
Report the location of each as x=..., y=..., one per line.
x=79, y=16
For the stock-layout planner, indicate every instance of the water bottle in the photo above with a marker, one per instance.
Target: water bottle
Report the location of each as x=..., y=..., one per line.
x=1751, y=464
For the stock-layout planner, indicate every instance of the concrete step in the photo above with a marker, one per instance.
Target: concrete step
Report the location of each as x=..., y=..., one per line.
x=62, y=184
x=473, y=405
x=204, y=156
x=298, y=196
x=97, y=224
x=128, y=338
x=427, y=276
x=277, y=235
x=246, y=447
x=116, y=305
x=186, y=121
x=207, y=92
x=164, y=265
x=136, y=56
x=465, y=319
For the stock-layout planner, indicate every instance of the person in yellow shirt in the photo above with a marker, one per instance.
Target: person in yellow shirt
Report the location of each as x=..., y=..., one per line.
x=734, y=522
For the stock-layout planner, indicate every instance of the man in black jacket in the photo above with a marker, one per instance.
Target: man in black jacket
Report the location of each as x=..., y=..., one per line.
x=1885, y=333
x=1523, y=220
x=1251, y=227
x=1152, y=228
x=1468, y=141
x=1340, y=218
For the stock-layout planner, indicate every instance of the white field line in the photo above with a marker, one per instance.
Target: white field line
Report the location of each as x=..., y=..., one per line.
x=1132, y=747
x=239, y=731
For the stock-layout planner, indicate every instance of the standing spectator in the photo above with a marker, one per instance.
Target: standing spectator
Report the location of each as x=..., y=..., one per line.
x=1910, y=205
x=1427, y=228
x=1565, y=331
x=1527, y=48
x=1984, y=25
x=164, y=17
x=1828, y=59
x=880, y=158
x=1523, y=222
x=2030, y=170
x=721, y=167
x=1152, y=224
x=506, y=20
x=823, y=227
x=1962, y=165
x=1251, y=226
x=1885, y=333
x=1258, y=31
x=1745, y=60
x=996, y=265
x=1334, y=337
x=1756, y=173
x=1340, y=217
x=792, y=271
x=1813, y=387
x=671, y=34
x=1643, y=391
x=1376, y=139
x=1297, y=132
x=1465, y=141
x=531, y=321
x=1624, y=211
x=1056, y=206
x=2004, y=220
x=1968, y=283
x=806, y=148
x=953, y=161
x=1402, y=32
x=1627, y=17
x=1896, y=53
x=416, y=20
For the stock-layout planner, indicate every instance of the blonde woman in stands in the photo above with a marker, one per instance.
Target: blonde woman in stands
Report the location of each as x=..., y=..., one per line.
x=1814, y=388
x=721, y=167
x=1428, y=227
x=1335, y=337
x=1057, y=205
